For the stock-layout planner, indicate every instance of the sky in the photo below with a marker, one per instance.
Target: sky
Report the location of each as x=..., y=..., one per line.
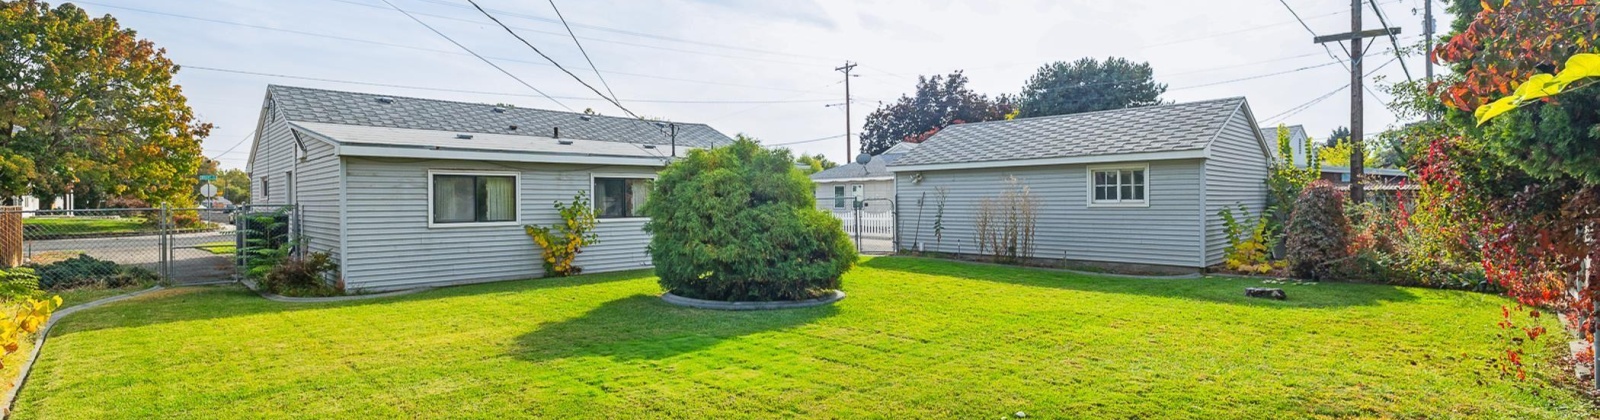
x=760, y=68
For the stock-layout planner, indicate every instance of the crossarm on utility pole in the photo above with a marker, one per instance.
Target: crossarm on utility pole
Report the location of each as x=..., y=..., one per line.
x=1350, y=36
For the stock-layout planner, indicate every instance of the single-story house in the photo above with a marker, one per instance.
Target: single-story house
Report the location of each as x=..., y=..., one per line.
x=1129, y=188
x=1339, y=175
x=410, y=192
x=839, y=187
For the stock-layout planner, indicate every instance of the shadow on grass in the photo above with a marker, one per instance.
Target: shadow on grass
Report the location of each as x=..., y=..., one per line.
x=645, y=327
x=183, y=304
x=1214, y=289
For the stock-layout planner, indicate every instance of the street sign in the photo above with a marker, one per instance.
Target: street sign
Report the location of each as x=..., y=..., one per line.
x=208, y=190
x=208, y=177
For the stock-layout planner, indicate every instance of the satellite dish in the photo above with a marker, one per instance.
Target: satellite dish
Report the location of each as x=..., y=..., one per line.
x=863, y=158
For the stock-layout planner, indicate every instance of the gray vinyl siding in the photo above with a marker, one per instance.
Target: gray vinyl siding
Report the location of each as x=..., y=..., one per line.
x=1236, y=173
x=390, y=246
x=273, y=156
x=1165, y=233
x=316, y=179
x=317, y=196
x=873, y=190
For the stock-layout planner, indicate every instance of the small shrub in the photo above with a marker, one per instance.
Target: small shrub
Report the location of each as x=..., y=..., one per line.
x=303, y=276
x=18, y=283
x=563, y=242
x=1319, y=234
x=267, y=242
x=1247, y=242
x=186, y=220
x=87, y=271
x=125, y=203
x=739, y=223
x=76, y=272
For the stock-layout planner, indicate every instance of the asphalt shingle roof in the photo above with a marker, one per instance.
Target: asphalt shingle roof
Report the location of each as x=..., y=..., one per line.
x=1160, y=128
x=365, y=109
x=877, y=167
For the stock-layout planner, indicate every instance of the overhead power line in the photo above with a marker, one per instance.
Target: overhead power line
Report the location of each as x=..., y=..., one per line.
x=235, y=145
x=586, y=52
x=497, y=93
x=1259, y=76
x=475, y=54
x=433, y=50
x=641, y=34
x=805, y=141
x=591, y=39
x=1394, y=41
x=1281, y=116
x=514, y=34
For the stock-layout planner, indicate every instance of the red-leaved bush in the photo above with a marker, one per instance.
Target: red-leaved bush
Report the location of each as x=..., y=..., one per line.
x=1319, y=233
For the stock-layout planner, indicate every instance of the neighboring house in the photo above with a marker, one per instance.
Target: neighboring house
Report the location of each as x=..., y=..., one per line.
x=839, y=187
x=410, y=192
x=1340, y=175
x=32, y=205
x=1297, y=143
x=1138, y=187
x=1337, y=174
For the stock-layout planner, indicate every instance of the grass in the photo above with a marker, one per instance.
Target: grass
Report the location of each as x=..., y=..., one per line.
x=85, y=225
x=13, y=361
x=916, y=338
x=219, y=248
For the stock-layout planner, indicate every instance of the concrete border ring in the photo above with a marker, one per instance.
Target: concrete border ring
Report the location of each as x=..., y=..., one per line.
x=835, y=296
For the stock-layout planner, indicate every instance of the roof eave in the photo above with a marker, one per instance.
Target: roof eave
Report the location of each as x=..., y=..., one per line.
x=1070, y=160
x=857, y=179
x=361, y=150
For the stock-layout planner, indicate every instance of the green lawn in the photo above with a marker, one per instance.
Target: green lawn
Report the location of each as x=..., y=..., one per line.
x=84, y=225
x=916, y=339
x=13, y=361
x=219, y=248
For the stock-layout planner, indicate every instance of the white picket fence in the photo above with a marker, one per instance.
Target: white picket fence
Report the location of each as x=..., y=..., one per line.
x=873, y=225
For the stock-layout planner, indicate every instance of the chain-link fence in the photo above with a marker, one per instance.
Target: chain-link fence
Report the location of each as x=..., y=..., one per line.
x=117, y=247
x=870, y=222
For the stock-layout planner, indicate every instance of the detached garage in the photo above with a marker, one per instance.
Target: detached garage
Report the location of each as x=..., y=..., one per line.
x=1130, y=188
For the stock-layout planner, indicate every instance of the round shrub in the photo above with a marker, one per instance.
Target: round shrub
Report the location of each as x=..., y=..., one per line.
x=1319, y=233
x=739, y=223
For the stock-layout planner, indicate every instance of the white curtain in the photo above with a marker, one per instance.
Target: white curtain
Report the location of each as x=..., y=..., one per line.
x=452, y=199
x=500, y=198
x=638, y=191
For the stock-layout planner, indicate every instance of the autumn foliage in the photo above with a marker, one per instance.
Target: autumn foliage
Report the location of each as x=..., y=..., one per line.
x=1519, y=193
x=561, y=243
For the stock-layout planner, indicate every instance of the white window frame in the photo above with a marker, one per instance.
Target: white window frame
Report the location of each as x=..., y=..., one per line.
x=594, y=196
x=1088, y=183
x=839, y=194
x=516, y=192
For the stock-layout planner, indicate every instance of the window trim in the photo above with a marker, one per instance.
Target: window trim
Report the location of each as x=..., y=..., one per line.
x=1088, y=181
x=839, y=192
x=594, y=198
x=516, y=193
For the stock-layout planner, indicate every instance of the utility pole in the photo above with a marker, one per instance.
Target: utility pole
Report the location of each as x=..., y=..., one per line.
x=1357, y=155
x=1427, y=41
x=846, y=68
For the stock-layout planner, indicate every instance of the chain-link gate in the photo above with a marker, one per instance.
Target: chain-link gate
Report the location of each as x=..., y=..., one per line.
x=116, y=247
x=869, y=222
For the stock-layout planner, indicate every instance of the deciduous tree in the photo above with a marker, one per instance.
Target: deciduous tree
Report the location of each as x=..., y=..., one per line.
x=90, y=103
x=815, y=163
x=938, y=101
